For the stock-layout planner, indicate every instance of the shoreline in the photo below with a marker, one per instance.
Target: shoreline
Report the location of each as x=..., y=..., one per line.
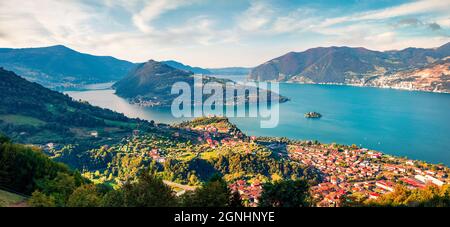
x=373, y=146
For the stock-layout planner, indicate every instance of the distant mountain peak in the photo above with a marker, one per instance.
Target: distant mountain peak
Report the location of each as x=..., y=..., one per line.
x=152, y=67
x=150, y=78
x=59, y=46
x=151, y=61
x=188, y=68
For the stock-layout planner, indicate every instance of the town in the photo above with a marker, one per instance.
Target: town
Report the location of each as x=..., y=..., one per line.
x=361, y=172
x=345, y=173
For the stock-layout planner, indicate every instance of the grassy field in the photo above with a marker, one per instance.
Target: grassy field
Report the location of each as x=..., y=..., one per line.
x=187, y=156
x=21, y=120
x=211, y=155
x=8, y=199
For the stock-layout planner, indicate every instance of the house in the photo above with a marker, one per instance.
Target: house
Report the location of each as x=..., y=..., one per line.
x=388, y=186
x=429, y=179
x=413, y=182
x=94, y=134
x=50, y=145
x=374, y=195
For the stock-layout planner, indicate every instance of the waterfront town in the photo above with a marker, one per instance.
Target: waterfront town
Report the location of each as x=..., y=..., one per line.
x=345, y=172
x=359, y=171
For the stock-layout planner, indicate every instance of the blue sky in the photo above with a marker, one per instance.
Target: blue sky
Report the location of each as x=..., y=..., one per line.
x=221, y=33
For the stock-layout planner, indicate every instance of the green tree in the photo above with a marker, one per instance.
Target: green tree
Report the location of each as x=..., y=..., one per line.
x=39, y=199
x=193, y=179
x=214, y=193
x=85, y=196
x=114, y=198
x=431, y=196
x=21, y=167
x=60, y=188
x=148, y=191
x=4, y=139
x=287, y=193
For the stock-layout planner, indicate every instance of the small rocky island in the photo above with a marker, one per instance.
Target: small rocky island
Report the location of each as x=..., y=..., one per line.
x=313, y=115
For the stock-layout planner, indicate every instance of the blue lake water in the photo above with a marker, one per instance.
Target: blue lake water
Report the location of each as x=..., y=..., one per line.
x=403, y=123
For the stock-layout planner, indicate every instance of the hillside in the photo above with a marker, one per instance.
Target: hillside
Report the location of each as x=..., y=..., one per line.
x=188, y=153
x=8, y=199
x=345, y=65
x=60, y=66
x=434, y=77
x=150, y=84
x=151, y=79
x=193, y=152
x=30, y=113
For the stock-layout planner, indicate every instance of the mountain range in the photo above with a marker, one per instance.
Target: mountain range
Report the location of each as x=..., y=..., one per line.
x=209, y=71
x=60, y=66
x=358, y=66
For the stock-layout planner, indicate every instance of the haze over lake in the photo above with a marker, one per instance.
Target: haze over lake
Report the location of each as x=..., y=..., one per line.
x=403, y=123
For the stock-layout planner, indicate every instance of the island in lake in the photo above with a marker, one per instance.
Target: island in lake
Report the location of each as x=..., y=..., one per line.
x=313, y=115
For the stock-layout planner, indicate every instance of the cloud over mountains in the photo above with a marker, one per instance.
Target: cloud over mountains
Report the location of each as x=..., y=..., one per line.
x=221, y=33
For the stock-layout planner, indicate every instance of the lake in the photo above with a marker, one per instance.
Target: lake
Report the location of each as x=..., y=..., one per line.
x=402, y=123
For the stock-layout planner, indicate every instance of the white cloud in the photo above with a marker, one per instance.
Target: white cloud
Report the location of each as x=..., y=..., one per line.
x=244, y=37
x=300, y=19
x=152, y=10
x=46, y=21
x=258, y=15
x=418, y=7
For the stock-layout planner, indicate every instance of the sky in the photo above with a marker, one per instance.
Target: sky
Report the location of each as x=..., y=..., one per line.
x=221, y=33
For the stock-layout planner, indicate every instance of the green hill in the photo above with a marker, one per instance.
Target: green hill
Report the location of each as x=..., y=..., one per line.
x=30, y=113
x=150, y=84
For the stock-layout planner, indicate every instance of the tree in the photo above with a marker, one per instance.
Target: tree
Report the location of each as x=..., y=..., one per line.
x=431, y=196
x=114, y=198
x=85, y=196
x=148, y=191
x=287, y=193
x=4, y=139
x=214, y=193
x=193, y=179
x=60, y=188
x=235, y=200
x=39, y=199
x=22, y=167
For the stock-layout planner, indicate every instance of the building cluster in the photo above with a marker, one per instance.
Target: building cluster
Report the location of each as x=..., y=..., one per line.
x=214, y=136
x=249, y=192
x=156, y=155
x=361, y=171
